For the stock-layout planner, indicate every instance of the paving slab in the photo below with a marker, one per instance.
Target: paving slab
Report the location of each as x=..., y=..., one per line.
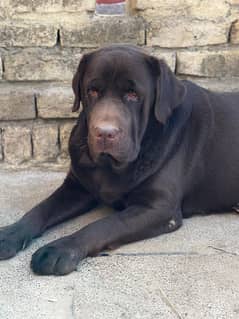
x=191, y=273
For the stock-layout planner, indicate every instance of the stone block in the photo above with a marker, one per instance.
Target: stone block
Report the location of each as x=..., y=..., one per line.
x=235, y=33
x=209, y=63
x=186, y=33
x=191, y=9
x=27, y=35
x=16, y=104
x=17, y=144
x=78, y=5
x=65, y=130
x=168, y=57
x=23, y=6
x=104, y=30
x=3, y=9
x=55, y=102
x=1, y=70
x=41, y=65
x=233, y=2
x=45, y=142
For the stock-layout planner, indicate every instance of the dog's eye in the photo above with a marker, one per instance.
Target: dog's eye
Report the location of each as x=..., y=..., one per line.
x=94, y=93
x=132, y=96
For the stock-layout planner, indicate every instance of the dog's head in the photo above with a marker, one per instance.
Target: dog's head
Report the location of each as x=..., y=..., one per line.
x=120, y=87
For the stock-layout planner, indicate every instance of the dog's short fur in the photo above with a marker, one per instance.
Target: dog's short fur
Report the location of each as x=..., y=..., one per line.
x=155, y=148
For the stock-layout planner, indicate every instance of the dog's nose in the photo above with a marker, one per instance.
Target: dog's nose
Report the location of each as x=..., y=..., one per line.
x=106, y=132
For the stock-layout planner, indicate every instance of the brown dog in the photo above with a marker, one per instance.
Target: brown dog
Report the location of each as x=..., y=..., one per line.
x=155, y=148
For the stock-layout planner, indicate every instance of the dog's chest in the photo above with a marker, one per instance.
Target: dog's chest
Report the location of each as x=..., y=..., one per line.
x=109, y=188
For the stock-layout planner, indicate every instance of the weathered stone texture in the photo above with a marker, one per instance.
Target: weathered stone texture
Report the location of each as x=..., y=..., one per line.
x=235, y=33
x=1, y=71
x=195, y=9
x=186, y=33
x=1, y=145
x=55, y=102
x=22, y=6
x=209, y=63
x=16, y=104
x=3, y=9
x=65, y=130
x=233, y=2
x=169, y=57
x=40, y=65
x=73, y=5
x=51, y=6
x=105, y=30
x=27, y=35
x=45, y=142
x=17, y=144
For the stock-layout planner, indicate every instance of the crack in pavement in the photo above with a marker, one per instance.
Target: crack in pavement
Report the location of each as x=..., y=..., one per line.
x=175, y=253
x=72, y=305
x=224, y=251
x=168, y=303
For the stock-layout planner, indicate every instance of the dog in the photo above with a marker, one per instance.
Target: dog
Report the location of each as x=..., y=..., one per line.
x=154, y=148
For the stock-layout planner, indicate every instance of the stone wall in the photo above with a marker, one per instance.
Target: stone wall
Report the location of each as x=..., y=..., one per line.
x=42, y=41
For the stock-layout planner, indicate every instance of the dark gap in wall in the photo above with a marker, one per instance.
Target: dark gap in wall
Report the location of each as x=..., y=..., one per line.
x=58, y=38
x=3, y=66
x=35, y=105
x=59, y=139
x=176, y=64
x=230, y=31
x=32, y=146
x=1, y=145
x=145, y=35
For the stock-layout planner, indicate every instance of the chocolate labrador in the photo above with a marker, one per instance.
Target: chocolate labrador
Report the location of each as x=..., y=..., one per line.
x=155, y=148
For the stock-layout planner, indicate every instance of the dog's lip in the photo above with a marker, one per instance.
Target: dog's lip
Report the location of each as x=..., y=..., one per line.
x=105, y=158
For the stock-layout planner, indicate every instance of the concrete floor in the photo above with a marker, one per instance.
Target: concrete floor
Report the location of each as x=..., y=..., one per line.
x=191, y=273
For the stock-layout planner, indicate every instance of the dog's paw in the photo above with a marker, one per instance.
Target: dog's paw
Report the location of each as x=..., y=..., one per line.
x=12, y=239
x=58, y=258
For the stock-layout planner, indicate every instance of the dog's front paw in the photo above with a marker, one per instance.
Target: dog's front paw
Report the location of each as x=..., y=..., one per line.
x=58, y=258
x=12, y=239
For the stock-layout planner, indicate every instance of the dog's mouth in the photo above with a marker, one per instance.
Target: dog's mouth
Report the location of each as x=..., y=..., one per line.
x=106, y=159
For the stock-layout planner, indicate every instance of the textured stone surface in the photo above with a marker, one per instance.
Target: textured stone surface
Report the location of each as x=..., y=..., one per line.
x=45, y=142
x=199, y=9
x=104, y=30
x=169, y=57
x=1, y=71
x=65, y=130
x=3, y=9
x=55, y=103
x=1, y=145
x=41, y=65
x=235, y=33
x=28, y=35
x=16, y=104
x=191, y=273
x=186, y=33
x=73, y=5
x=22, y=6
x=51, y=6
x=17, y=144
x=227, y=85
x=209, y=63
x=234, y=2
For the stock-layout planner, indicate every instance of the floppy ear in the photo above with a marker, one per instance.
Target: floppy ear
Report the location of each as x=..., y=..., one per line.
x=77, y=82
x=170, y=92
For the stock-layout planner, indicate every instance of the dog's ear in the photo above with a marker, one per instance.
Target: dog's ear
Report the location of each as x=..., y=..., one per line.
x=169, y=91
x=77, y=82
